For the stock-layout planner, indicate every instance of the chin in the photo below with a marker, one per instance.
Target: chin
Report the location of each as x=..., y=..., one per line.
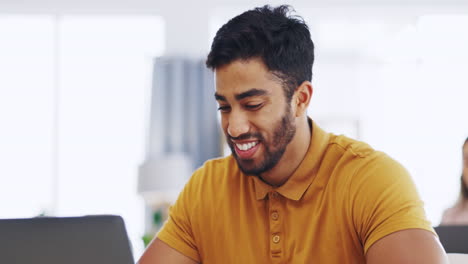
x=247, y=169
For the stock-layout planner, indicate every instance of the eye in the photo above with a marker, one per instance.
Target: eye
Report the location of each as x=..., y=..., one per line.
x=253, y=106
x=224, y=108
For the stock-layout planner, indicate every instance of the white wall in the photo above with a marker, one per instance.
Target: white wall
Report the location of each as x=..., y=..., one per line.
x=397, y=66
x=73, y=96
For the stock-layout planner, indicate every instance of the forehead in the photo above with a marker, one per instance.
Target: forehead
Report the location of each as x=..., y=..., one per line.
x=242, y=75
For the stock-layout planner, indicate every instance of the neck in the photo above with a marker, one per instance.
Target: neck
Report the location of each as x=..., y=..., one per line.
x=462, y=202
x=292, y=157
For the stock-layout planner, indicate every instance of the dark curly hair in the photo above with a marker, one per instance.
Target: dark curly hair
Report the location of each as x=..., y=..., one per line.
x=282, y=41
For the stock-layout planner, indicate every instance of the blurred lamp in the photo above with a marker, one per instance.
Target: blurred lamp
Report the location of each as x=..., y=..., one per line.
x=162, y=179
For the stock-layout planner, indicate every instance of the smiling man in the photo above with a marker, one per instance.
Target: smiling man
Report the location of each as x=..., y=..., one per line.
x=290, y=192
x=258, y=132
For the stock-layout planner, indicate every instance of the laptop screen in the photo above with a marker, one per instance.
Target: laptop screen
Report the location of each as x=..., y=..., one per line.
x=454, y=238
x=72, y=240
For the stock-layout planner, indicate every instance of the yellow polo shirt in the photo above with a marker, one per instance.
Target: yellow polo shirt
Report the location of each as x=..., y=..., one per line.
x=343, y=197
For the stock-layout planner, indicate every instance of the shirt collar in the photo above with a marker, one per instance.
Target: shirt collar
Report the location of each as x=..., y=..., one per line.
x=300, y=180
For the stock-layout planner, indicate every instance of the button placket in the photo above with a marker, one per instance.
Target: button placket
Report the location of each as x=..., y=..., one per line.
x=276, y=239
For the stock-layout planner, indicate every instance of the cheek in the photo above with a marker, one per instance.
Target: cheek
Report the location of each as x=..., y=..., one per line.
x=269, y=116
x=264, y=125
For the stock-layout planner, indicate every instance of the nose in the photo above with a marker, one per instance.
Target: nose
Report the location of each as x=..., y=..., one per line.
x=238, y=124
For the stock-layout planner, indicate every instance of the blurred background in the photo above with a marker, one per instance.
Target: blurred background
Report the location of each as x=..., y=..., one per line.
x=106, y=108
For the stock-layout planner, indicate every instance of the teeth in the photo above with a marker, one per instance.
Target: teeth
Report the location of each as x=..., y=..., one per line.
x=246, y=146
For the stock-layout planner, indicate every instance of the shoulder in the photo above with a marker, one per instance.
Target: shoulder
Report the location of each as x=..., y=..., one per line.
x=214, y=173
x=449, y=215
x=216, y=169
x=351, y=146
x=362, y=168
x=206, y=184
x=450, y=211
x=359, y=159
x=217, y=165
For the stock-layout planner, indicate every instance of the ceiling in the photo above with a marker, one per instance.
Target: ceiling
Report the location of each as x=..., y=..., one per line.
x=158, y=6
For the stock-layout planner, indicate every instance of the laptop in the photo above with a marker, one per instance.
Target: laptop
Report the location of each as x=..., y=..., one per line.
x=99, y=239
x=454, y=238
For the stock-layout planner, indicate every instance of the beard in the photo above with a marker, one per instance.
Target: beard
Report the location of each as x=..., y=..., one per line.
x=273, y=151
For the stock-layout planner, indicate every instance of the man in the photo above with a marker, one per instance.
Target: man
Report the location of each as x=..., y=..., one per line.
x=290, y=192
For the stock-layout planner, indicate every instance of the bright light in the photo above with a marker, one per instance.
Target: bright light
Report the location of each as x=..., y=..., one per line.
x=104, y=80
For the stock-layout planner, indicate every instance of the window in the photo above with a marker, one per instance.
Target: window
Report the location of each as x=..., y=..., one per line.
x=73, y=97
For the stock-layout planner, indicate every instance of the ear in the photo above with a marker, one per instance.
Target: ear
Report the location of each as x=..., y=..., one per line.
x=302, y=97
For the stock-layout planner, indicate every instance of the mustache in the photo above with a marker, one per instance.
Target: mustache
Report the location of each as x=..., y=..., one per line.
x=257, y=136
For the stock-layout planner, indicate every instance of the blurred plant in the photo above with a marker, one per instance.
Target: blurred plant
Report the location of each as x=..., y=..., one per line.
x=157, y=222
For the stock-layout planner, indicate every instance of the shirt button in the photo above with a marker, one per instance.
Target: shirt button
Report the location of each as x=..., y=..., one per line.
x=274, y=194
x=274, y=215
x=276, y=239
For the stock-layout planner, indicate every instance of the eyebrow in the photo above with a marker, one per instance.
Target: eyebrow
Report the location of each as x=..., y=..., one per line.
x=219, y=97
x=249, y=93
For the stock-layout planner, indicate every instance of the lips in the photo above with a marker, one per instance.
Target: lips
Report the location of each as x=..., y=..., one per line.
x=246, y=150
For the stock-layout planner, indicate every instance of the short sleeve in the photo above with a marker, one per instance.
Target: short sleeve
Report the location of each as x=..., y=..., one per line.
x=384, y=200
x=177, y=230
